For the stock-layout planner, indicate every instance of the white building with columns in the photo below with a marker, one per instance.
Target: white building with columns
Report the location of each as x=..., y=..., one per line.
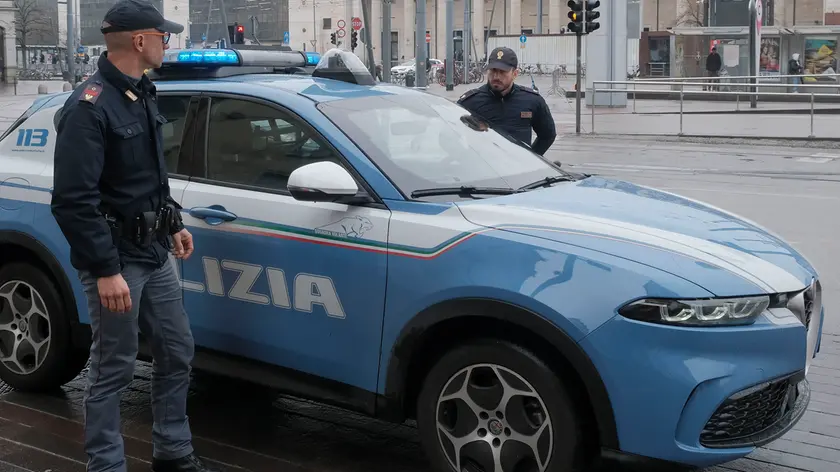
x=314, y=20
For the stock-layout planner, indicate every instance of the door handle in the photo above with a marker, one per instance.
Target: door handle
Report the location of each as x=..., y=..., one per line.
x=212, y=215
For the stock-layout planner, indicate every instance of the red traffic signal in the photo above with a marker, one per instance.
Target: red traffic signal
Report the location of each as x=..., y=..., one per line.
x=240, y=29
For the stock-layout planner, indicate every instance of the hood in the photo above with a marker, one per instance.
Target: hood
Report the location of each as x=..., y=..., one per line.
x=795, y=56
x=723, y=253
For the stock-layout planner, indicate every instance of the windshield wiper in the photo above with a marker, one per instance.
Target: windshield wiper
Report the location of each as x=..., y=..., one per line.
x=546, y=182
x=464, y=190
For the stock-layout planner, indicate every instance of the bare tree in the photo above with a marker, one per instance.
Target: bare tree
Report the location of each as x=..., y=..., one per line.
x=31, y=22
x=692, y=13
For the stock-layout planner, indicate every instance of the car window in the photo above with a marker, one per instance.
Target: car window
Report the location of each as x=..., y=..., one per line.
x=174, y=109
x=258, y=145
x=424, y=141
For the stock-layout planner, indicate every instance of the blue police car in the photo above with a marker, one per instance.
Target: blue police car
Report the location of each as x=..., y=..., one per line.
x=379, y=248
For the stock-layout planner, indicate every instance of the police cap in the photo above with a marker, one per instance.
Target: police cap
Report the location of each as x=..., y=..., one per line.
x=134, y=15
x=502, y=58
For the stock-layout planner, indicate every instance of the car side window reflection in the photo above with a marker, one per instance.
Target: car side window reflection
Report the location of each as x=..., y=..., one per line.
x=258, y=145
x=174, y=109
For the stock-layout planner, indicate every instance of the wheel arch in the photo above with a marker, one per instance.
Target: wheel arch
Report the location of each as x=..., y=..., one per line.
x=29, y=249
x=431, y=333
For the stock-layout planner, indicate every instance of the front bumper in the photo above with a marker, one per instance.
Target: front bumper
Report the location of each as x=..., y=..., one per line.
x=705, y=396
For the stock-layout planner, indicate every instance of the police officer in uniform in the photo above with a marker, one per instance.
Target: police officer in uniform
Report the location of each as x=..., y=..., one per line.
x=510, y=107
x=111, y=199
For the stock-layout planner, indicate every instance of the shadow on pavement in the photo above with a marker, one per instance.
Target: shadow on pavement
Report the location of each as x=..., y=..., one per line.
x=235, y=424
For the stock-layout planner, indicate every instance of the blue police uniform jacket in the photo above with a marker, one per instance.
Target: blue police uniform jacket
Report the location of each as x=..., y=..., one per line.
x=109, y=159
x=516, y=113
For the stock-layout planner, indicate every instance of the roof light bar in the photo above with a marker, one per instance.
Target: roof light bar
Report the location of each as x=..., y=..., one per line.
x=203, y=56
x=234, y=57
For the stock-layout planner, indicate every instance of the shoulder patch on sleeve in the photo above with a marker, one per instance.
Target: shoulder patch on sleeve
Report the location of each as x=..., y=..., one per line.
x=91, y=93
x=468, y=94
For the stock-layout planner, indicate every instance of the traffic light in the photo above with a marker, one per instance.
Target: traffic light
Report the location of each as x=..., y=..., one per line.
x=332, y=38
x=592, y=15
x=354, y=40
x=239, y=36
x=576, y=15
x=231, y=34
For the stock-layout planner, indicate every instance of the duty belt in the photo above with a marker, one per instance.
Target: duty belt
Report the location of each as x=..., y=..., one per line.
x=145, y=227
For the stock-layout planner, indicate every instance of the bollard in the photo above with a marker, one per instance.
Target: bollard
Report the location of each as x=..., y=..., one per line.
x=42, y=89
x=812, y=115
x=66, y=87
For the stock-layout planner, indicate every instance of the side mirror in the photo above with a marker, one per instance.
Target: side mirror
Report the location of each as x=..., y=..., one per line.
x=321, y=182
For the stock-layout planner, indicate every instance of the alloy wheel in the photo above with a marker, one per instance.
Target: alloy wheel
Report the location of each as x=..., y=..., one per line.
x=24, y=328
x=490, y=419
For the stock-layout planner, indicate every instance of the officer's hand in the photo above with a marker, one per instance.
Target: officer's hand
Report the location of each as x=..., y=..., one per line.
x=183, y=244
x=114, y=293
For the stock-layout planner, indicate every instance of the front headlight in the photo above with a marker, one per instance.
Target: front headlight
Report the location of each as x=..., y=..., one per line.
x=707, y=312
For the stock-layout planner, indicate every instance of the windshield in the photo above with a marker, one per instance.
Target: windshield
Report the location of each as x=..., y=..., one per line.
x=424, y=141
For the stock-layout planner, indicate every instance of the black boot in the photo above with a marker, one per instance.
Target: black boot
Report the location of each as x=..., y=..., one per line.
x=188, y=463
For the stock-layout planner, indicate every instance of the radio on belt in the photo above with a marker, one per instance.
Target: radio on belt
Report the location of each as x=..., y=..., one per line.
x=344, y=66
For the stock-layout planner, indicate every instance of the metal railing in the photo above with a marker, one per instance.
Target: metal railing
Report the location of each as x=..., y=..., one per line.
x=682, y=82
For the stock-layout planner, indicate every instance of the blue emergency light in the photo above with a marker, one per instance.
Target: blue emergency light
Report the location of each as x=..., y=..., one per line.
x=203, y=56
x=187, y=64
x=312, y=58
x=234, y=57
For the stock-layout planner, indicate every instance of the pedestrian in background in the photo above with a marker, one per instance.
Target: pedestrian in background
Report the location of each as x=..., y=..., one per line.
x=112, y=201
x=795, y=68
x=510, y=107
x=713, y=66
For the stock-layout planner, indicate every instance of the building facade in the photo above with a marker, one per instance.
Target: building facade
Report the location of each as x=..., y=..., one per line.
x=312, y=21
x=266, y=20
x=678, y=35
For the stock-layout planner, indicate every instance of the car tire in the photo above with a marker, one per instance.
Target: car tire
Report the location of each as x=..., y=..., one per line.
x=37, y=300
x=540, y=393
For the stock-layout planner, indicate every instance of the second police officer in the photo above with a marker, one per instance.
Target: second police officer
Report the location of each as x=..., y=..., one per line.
x=112, y=201
x=509, y=107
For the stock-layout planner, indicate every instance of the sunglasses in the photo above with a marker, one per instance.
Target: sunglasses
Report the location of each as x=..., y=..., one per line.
x=164, y=36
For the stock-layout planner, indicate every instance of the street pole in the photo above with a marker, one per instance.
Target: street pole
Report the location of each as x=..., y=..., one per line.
x=223, y=9
x=71, y=42
x=579, y=47
x=450, y=44
x=348, y=12
x=366, y=7
x=539, y=16
x=420, y=45
x=753, y=48
x=489, y=27
x=386, y=40
x=466, y=41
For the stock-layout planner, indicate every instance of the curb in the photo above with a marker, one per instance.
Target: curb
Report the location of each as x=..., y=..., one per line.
x=780, y=111
x=773, y=98
x=677, y=137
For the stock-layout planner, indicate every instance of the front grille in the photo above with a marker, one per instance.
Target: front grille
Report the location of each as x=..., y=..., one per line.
x=743, y=416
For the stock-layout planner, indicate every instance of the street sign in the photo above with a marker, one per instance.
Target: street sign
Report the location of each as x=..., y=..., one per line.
x=428, y=38
x=313, y=42
x=522, y=39
x=341, y=24
x=286, y=37
x=204, y=37
x=81, y=49
x=341, y=33
x=357, y=23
